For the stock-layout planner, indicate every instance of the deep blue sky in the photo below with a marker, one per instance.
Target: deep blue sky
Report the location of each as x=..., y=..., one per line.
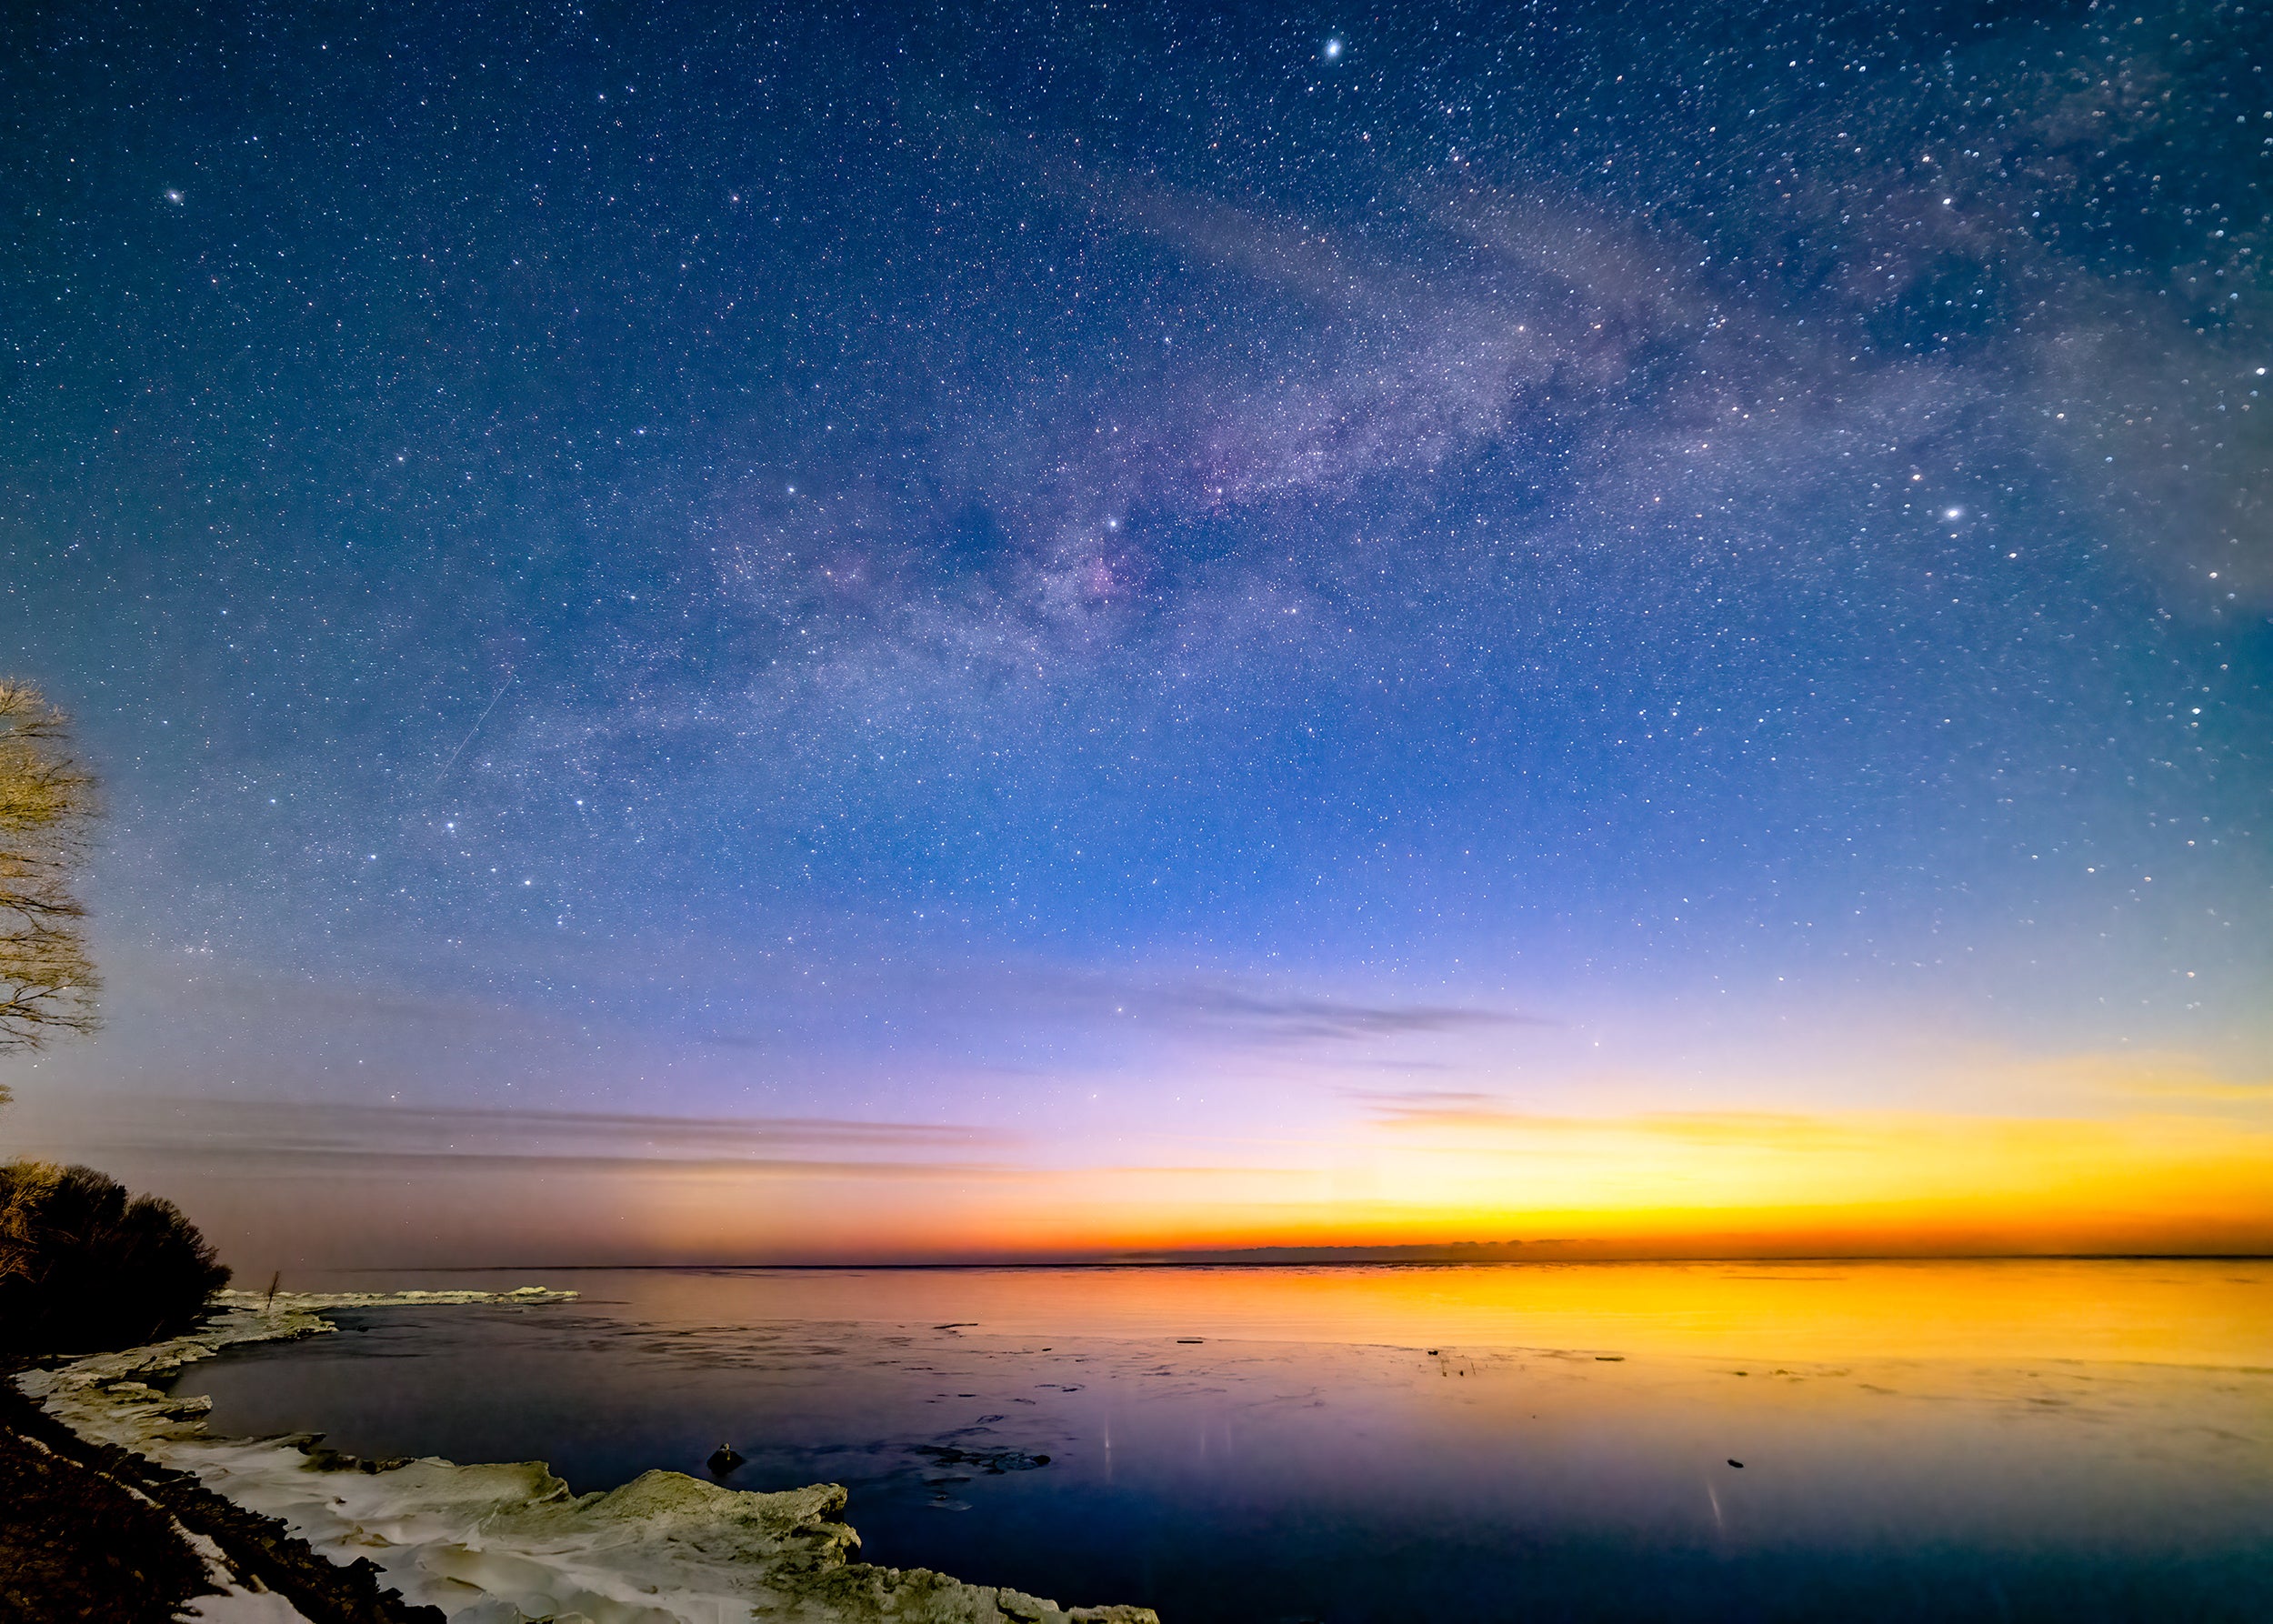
x=906, y=561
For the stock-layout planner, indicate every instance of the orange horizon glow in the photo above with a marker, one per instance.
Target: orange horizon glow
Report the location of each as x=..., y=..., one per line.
x=1647, y=1186
x=1726, y=1185
x=2079, y=1154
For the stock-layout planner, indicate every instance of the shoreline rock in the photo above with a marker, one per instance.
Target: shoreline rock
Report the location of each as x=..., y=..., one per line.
x=509, y=1543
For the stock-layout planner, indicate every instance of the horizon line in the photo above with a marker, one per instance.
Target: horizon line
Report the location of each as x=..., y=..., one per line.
x=1235, y=1262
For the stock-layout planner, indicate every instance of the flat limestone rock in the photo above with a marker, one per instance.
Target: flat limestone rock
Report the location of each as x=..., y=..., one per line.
x=509, y=1544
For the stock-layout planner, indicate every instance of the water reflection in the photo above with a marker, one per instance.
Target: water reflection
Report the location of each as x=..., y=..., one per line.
x=2005, y=1440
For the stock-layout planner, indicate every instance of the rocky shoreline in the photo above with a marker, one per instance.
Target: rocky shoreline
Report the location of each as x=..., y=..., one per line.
x=282, y=1529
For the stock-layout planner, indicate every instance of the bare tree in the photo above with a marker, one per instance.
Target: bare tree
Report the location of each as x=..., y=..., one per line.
x=48, y=979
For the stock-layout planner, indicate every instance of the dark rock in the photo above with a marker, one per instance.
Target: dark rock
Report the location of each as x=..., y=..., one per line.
x=994, y=1462
x=339, y=1460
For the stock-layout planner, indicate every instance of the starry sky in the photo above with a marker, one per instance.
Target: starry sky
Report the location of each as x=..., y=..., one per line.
x=924, y=630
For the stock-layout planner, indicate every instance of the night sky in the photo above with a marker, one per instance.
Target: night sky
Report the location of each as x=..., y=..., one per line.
x=825, y=630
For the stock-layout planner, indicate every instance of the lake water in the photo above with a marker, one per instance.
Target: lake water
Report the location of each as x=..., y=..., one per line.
x=1990, y=1440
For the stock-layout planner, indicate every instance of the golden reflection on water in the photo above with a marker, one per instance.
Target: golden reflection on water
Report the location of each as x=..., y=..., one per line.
x=2161, y=1311
x=1858, y=1440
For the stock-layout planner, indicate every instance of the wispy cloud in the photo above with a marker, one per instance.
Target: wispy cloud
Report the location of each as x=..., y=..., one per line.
x=1465, y=1112
x=2174, y=1077
x=1036, y=995
x=1280, y=1016
x=289, y=1134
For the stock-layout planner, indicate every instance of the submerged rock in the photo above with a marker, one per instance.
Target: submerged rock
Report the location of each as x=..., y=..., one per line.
x=993, y=1461
x=509, y=1544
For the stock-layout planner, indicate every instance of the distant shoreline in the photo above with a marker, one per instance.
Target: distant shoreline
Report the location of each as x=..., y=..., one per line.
x=1326, y=1257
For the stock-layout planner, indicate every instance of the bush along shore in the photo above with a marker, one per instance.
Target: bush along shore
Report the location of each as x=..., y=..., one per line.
x=269, y=1522
x=85, y=1265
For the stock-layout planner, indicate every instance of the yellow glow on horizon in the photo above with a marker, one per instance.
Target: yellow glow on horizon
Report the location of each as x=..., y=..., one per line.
x=1693, y=1184
x=1424, y=1170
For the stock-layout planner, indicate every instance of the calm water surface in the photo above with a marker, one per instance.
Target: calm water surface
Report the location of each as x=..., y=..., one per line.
x=2071, y=1441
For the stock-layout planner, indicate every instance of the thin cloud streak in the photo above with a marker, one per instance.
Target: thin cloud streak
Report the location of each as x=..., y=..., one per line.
x=300, y=1131
x=1296, y=1018
x=258, y=1161
x=1460, y=1111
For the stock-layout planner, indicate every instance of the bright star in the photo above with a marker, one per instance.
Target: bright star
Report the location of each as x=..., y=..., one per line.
x=1333, y=50
x=172, y=196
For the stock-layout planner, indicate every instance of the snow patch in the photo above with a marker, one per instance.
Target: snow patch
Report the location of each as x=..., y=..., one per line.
x=244, y=1607
x=241, y=1601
